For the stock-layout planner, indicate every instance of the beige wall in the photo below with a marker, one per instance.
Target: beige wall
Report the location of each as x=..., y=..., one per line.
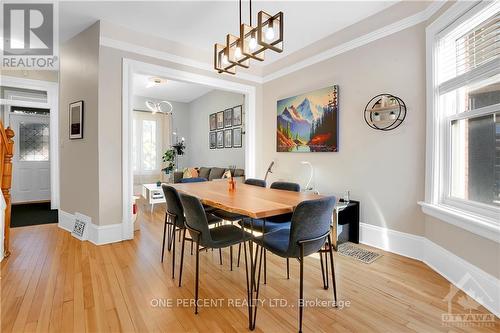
x=79, y=179
x=384, y=170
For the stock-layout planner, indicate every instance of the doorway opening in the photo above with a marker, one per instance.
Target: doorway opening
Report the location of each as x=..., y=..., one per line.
x=30, y=108
x=132, y=69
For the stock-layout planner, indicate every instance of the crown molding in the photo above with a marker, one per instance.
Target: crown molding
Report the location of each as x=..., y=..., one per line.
x=325, y=55
x=134, y=48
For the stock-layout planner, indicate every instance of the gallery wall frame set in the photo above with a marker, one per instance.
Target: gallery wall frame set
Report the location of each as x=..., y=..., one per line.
x=223, y=133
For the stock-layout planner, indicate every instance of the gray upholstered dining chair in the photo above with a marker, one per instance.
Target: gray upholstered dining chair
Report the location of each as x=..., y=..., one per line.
x=233, y=217
x=203, y=236
x=271, y=223
x=175, y=220
x=308, y=233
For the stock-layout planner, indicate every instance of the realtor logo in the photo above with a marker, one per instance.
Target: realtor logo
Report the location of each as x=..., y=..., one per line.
x=28, y=29
x=469, y=315
x=29, y=36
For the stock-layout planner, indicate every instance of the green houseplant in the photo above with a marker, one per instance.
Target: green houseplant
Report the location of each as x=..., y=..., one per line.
x=169, y=158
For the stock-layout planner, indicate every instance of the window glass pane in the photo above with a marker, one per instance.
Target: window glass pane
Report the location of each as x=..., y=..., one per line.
x=33, y=142
x=149, y=144
x=472, y=96
x=475, y=159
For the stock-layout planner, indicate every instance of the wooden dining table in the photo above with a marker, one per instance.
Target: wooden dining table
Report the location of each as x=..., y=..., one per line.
x=249, y=200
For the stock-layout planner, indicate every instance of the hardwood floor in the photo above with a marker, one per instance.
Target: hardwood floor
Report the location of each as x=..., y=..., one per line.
x=54, y=283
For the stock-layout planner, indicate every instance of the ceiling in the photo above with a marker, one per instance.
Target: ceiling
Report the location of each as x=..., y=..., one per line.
x=200, y=24
x=173, y=91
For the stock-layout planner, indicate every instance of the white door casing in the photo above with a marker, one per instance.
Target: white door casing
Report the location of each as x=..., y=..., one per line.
x=31, y=179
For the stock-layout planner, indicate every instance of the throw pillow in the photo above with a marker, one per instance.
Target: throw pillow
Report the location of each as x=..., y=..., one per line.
x=190, y=173
x=227, y=174
x=204, y=172
x=216, y=173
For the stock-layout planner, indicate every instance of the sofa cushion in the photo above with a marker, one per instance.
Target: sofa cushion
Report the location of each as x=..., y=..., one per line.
x=238, y=173
x=216, y=173
x=204, y=172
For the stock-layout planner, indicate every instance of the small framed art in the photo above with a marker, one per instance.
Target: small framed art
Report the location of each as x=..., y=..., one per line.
x=228, y=138
x=237, y=115
x=220, y=139
x=213, y=140
x=228, y=118
x=237, y=137
x=220, y=120
x=76, y=120
x=213, y=121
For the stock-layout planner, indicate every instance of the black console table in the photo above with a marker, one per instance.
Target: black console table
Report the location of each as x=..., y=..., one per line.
x=346, y=215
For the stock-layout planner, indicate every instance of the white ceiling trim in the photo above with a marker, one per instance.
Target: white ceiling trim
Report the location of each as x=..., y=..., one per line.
x=327, y=54
x=134, y=48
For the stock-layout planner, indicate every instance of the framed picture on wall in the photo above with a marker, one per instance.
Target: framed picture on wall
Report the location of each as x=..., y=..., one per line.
x=220, y=139
x=220, y=119
x=228, y=118
x=237, y=137
x=228, y=138
x=213, y=121
x=76, y=120
x=212, y=140
x=237, y=115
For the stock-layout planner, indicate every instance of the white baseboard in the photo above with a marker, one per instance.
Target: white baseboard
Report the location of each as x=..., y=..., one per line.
x=66, y=221
x=98, y=235
x=475, y=282
x=407, y=245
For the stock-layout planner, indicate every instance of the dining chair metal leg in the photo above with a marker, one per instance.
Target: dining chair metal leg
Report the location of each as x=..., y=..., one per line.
x=333, y=270
x=249, y=291
x=239, y=253
x=182, y=254
x=163, y=243
x=197, y=274
x=220, y=256
x=265, y=267
x=257, y=288
x=323, y=275
x=288, y=268
x=173, y=252
x=231, y=257
x=301, y=288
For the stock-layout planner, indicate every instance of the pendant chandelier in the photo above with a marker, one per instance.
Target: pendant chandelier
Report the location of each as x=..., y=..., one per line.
x=251, y=43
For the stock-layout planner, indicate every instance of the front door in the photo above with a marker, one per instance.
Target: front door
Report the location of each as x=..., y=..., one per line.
x=31, y=164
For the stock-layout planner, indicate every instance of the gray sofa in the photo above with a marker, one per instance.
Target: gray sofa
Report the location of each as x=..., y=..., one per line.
x=212, y=173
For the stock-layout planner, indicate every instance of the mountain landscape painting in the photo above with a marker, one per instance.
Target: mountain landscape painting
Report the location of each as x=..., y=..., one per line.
x=308, y=122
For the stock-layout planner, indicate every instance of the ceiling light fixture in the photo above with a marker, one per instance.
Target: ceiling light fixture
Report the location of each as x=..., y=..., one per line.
x=156, y=107
x=155, y=81
x=251, y=43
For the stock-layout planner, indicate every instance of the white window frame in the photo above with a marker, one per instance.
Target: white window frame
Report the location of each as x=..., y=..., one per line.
x=141, y=171
x=474, y=217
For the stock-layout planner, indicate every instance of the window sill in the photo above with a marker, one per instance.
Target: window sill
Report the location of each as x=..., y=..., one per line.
x=478, y=225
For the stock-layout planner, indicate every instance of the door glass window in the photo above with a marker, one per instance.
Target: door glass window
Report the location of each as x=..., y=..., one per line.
x=33, y=142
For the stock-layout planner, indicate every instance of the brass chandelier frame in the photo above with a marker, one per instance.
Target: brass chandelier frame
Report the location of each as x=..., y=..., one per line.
x=250, y=44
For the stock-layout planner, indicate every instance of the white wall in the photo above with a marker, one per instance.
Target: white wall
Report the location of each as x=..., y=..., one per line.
x=199, y=110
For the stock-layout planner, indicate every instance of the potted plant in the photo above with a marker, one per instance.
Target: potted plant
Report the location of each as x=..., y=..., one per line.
x=169, y=158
